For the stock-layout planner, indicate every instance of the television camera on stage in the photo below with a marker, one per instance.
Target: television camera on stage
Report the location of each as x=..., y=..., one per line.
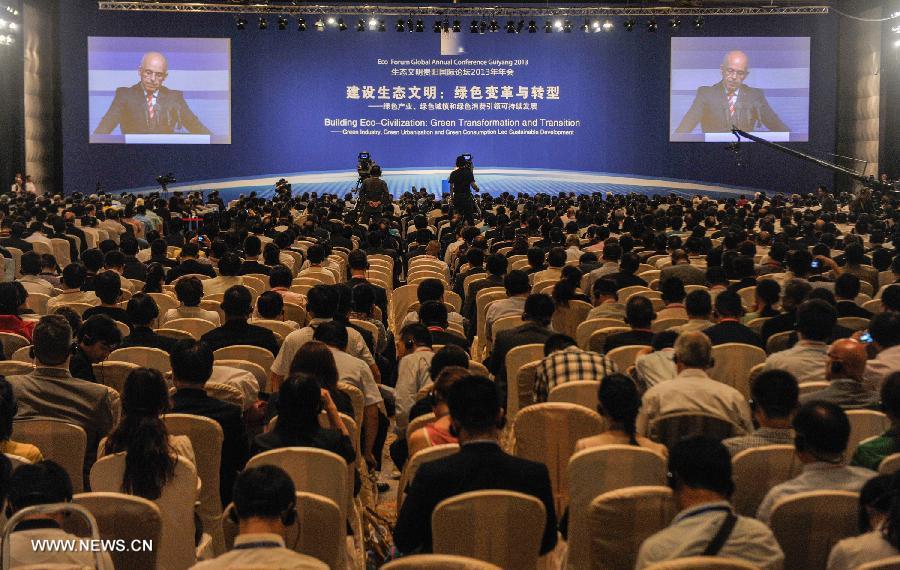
x=364, y=164
x=283, y=190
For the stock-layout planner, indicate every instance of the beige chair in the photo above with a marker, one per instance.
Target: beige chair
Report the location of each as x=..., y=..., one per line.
x=520, y=393
x=208, y=304
x=261, y=376
x=195, y=327
x=756, y=324
x=419, y=422
x=623, y=357
x=484, y=298
x=143, y=356
x=520, y=356
x=37, y=302
x=173, y=333
x=176, y=504
x=748, y=297
x=626, y=292
x=854, y=323
x=439, y=562
x=113, y=373
x=79, y=308
x=599, y=470
x=206, y=438
x=23, y=355
x=401, y=299
x=59, y=441
x=372, y=328
x=416, y=461
x=733, y=362
x=671, y=428
x=318, y=531
x=582, y=393
x=164, y=301
x=254, y=354
x=756, y=470
x=873, y=306
x=662, y=325
x=890, y=464
x=547, y=433
x=597, y=340
x=127, y=518
x=506, y=323
x=778, y=342
x=357, y=399
x=501, y=527
x=61, y=250
x=12, y=342
x=586, y=329
x=295, y=313
x=703, y=563
x=812, y=387
x=475, y=277
x=225, y=392
x=566, y=319
x=14, y=367
x=865, y=424
x=892, y=563
x=619, y=521
x=825, y=517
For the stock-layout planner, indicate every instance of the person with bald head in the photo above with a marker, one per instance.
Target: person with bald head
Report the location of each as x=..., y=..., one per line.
x=731, y=103
x=844, y=371
x=147, y=107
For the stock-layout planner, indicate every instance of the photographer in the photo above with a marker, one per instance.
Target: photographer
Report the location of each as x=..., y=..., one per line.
x=374, y=195
x=461, y=180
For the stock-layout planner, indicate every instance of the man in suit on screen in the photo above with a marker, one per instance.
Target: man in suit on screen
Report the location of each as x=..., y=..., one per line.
x=730, y=102
x=149, y=108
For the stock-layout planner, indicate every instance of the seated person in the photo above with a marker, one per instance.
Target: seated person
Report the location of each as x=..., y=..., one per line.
x=876, y=517
x=8, y=407
x=657, y=363
x=639, y=315
x=728, y=327
x=143, y=312
x=433, y=314
x=14, y=302
x=844, y=372
x=673, y=295
x=72, y=280
x=606, y=301
x=765, y=297
x=96, y=338
x=431, y=290
x=270, y=307
x=362, y=307
x=189, y=291
x=871, y=452
x=237, y=304
x=438, y=432
x=565, y=362
x=775, y=401
x=108, y=288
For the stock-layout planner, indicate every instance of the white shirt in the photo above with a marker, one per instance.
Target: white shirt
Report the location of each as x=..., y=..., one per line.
x=693, y=391
x=818, y=476
x=72, y=296
x=805, y=360
x=34, y=284
x=858, y=550
x=656, y=367
x=693, y=529
x=412, y=374
x=356, y=346
x=262, y=550
x=241, y=379
x=354, y=371
x=880, y=367
x=183, y=312
x=22, y=553
x=509, y=307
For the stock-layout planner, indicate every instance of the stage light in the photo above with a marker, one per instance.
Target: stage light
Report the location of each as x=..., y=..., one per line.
x=399, y=25
x=436, y=28
x=446, y=25
x=675, y=23
x=263, y=24
x=241, y=23
x=510, y=27
x=373, y=23
x=629, y=24
x=548, y=27
x=493, y=27
x=698, y=22
x=456, y=26
x=532, y=27
x=586, y=26
x=420, y=26
x=301, y=25
x=282, y=23
x=331, y=21
x=360, y=25
x=320, y=25
x=567, y=27
x=652, y=25
x=381, y=27
x=474, y=27
x=607, y=26
x=482, y=27
x=558, y=24
x=596, y=25
x=409, y=25
x=341, y=25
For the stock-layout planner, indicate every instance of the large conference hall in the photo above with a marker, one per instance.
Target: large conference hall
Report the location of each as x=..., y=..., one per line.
x=455, y=286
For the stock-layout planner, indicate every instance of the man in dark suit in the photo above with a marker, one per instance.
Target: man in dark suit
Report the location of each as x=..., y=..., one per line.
x=537, y=316
x=480, y=465
x=639, y=315
x=846, y=289
x=192, y=364
x=149, y=108
x=251, y=264
x=729, y=327
x=237, y=305
x=795, y=292
x=731, y=103
x=188, y=264
x=15, y=239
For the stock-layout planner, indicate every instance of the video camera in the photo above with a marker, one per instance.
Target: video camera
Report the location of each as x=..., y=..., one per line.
x=364, y=165
x=283, y=188
x=165, y=179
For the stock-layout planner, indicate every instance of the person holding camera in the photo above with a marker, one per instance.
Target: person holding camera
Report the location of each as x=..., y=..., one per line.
x=374, y=195
x=461, y=180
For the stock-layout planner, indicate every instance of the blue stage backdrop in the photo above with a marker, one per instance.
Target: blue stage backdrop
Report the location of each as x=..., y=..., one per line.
x=310, y=101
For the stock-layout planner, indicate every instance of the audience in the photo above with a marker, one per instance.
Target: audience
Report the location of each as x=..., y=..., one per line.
x=806, y=359
x=774, y=400
x=108, y=288
x=535, y=329
x=96, y=338
x=871, y=452
x=638, y=315
x=844, y=371
x=189, y=291
x=143, y=313
x=237, y=304
x=565, y=362
x=606, y=301
x=438, y=432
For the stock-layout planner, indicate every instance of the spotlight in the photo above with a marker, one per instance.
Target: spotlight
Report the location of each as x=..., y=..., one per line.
x=263, y=24
x=282, y=23
x=360, y=25
x=474, y=27
x=241, y=23
x=331, y=21
x=420, y=26
x=436, y=28
x=558, y=24
x=301, y=25
x=607, y=26
x=548, y=27
x=595, y=25
x=510, y=27
x=456, y=26
x=532, y=27
x=567, y=27
x=698, y=22
x=399, y=25
x=373, y=23
x=320, y=25
x=381, y=27
x=409, y=25
x=652, y=25
x=674, y=23
x=585, y=27
x=629, y=24
x=341, y=25
x=494, y=27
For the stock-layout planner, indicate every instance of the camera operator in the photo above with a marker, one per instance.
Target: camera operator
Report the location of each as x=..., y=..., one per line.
x=461, y=180
x=374, y=195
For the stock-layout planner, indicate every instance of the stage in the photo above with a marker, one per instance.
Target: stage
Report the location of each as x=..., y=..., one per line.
x=491, y=180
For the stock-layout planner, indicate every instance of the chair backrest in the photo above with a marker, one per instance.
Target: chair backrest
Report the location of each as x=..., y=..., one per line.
x=61, y=250
x=22, y=355
x=733, y=362
x=208, y=304
x=439, y=562
x=143, y=356
x=582, y=393
x=500, y=527
x=506, y=323
x=259, y=374
x=623, y=357
x=195, y=327
x=599, y=470
x=825, y=517
x=597, y=340
x=206, y=438
x=59, y=441
x=484, y=298
x=402, y=298
x=619, y=521
x=756, y=324
x=854, y=323
x=812, y=387
x=758, y=469
x=173, y=333
x=661, y=325
x=12, y=342
x=13, y=367
x=703, y=563
x=252, y=353
x=778, y=342
x=225, y=392
x=164, y=301
x=520, y=393
x=586, y=329
x=865, y=424
x=420, y=458
x=520, y=356
x=366, y=325
x=37, y=302
x=127, y=518
x=113, y=373
x=419, y=422
x=176, y=504
x=626, y=292
x=670, y=429
x=890, y=464
x=566, y=319
x=295, y=313
x=357, y=399
x=547, y=433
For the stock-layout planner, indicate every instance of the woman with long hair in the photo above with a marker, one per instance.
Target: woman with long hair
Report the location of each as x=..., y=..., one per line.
x=315, y=359
x=567, y=288
x=438, y=432
x=150, y=452
x=882, y=539
x=14, y=302
x=619, y=404
x=156, y=276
